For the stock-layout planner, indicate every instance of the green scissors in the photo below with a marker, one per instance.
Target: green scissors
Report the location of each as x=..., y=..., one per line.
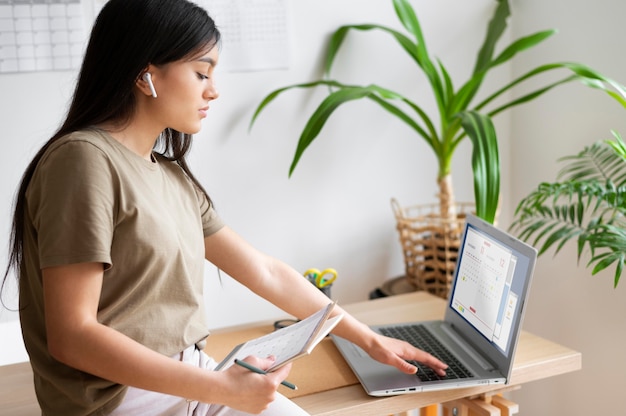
x=322, y=278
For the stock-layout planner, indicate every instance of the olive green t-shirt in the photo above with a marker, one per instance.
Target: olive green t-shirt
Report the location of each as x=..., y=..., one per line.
x=91, y=199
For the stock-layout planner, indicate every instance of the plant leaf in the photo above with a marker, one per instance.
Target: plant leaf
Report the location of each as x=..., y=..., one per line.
x=485, y=163
x=272, y=95
x=320, y=116
x=407, y=16
x=409, y=20
x=340, y=34
x=587, y=205
x=470, y=88
x=521, y=44
x=495, y=29
x=579, y=72
x=335, y=99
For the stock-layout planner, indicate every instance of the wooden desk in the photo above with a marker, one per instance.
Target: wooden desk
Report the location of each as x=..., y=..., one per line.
x=536, y=359
x=326, y=384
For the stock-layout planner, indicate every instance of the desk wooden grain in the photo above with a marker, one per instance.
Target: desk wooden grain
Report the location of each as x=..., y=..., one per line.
x=536, y=358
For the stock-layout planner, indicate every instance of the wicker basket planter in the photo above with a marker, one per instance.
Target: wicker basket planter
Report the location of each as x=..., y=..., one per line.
x=430, y=244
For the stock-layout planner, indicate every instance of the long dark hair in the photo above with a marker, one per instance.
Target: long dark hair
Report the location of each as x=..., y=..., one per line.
x=127, y=36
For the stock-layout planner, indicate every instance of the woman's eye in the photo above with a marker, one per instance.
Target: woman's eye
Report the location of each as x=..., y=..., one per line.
x=202, y=76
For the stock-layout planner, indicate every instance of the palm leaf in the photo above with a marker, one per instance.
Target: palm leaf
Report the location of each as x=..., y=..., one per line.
x=597, y=162
x=586, y=206
x=618, y=144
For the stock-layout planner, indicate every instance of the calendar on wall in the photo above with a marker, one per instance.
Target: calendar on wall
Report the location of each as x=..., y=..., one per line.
x=50, y=35
x=41, y=35
x=255, y=33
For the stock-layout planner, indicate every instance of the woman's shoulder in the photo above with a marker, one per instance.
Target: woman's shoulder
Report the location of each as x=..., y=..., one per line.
x=82, y=141
x=92, y=137
x=81, y=150
x=91, y=145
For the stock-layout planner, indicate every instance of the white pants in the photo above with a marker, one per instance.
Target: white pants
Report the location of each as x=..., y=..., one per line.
x=138, y=402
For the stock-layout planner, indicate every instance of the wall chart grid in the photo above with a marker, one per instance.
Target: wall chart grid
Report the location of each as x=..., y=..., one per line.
x=41, y=35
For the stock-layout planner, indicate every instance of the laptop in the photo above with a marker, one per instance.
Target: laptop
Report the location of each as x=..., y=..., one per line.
x=478, y=336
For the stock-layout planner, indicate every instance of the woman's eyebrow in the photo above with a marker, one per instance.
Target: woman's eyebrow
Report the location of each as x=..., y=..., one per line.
x=208, y=60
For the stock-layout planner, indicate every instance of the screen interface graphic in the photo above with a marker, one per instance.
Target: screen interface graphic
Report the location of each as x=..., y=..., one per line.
x=483, y=292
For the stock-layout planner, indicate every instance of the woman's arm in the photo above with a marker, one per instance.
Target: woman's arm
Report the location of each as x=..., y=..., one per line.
x=289, y=290
x=77, y=339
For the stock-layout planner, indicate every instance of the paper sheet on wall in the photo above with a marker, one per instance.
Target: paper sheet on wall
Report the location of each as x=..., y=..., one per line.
x=255, y=33
x=50, y=35
x=41, y=35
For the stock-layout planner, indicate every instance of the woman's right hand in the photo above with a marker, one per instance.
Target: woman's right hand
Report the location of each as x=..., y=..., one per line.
x=249, y=391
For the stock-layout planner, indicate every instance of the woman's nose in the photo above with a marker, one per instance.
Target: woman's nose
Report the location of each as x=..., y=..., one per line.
x=211, y=92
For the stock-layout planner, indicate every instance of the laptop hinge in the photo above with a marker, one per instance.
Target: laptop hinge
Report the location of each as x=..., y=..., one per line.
x=468, y=349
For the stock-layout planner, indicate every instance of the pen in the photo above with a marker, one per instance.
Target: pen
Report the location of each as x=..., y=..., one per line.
x=259, y=371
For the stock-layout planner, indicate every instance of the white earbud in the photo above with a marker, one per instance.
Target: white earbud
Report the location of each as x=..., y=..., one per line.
x=148, y=78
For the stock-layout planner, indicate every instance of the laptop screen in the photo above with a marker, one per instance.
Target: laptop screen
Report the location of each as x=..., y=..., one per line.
x=489, y=286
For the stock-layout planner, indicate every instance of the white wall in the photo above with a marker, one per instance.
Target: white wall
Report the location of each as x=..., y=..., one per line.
x=567, y=305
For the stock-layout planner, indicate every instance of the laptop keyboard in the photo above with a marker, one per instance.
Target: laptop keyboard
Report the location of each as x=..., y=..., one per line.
x=420, y=337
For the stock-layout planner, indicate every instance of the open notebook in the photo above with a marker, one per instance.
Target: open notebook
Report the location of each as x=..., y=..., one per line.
x=479, y=333
x=288, y=343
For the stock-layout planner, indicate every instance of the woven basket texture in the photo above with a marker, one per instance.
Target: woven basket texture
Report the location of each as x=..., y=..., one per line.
x=430, y=244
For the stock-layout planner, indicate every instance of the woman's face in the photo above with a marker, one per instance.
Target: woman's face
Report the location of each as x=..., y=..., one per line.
x=184, y=90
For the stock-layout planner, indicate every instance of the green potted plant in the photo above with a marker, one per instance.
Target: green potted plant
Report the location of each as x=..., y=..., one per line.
x=460, y=115
x=587, y=204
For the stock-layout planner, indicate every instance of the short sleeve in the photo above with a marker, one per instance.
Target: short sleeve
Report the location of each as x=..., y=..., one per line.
x=71, y=204
x=211, y=221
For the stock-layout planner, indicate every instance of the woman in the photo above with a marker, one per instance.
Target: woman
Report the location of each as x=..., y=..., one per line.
x=111, y=231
